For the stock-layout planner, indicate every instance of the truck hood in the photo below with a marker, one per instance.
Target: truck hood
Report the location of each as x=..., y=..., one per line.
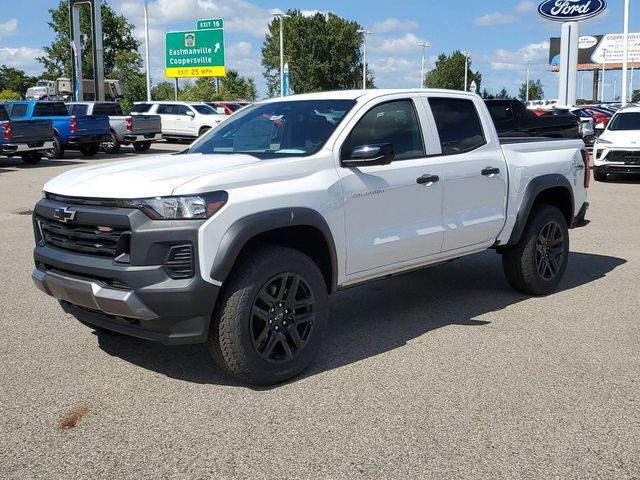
x=152, y=176
x=621, y=138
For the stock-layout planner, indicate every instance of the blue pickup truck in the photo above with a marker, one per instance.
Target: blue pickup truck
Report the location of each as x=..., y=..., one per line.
x=29, y=139
x=83, y=132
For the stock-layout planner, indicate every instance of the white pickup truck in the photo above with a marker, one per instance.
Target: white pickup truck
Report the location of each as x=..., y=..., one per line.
x=238, y=240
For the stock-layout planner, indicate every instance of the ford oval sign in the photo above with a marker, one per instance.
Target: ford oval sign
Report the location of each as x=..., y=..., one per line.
x=571, y=10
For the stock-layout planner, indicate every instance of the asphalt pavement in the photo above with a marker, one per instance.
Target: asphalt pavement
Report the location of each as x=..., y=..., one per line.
x=444, y=373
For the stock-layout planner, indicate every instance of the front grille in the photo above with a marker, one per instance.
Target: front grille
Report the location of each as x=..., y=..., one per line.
x=179, y=262
x=626, y=156
x=88, y=239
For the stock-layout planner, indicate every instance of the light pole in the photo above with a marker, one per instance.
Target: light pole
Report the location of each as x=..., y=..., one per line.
x=281, y=16
x=146, y=50
x=625, y=60
x=528, y=62
x=466, y=68
x=604, y=59
x=423, y=45
x=364, y=33
x=582, y=86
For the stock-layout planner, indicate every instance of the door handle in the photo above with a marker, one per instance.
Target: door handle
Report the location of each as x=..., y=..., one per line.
x=490, y=171
x=427, y=179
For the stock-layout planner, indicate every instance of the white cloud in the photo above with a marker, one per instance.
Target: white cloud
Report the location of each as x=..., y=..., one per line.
x=392, y=24
x=395, y=46
x=9, y=27
x=396, y=72
x=538, y=54
x=22, y=58
x=493, y=19
x=525, y=7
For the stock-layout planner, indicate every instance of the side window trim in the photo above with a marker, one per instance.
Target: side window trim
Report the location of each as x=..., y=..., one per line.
x=417, y=117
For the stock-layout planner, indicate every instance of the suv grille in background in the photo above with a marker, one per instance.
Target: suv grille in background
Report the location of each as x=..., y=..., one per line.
x=628, y=157
x=89, y=239
x=179, y=262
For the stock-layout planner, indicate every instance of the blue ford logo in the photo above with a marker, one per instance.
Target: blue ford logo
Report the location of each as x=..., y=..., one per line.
x=571, y=10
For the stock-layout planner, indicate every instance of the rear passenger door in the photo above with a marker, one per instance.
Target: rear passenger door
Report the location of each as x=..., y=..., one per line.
x=390, y=218
x=474, y=174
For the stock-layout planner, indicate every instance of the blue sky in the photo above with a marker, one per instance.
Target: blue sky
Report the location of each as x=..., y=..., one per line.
x=499, y=34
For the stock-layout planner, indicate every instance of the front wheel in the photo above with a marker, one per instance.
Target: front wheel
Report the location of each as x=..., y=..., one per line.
x=89, y=149
x=537, y=263
x=141, y=146
x=269, y=324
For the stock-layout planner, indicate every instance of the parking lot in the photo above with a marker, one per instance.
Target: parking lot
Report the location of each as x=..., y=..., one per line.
x=441, y=373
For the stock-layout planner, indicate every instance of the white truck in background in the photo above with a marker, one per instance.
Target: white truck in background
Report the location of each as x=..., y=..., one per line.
x=62, y=89
x=238, y=240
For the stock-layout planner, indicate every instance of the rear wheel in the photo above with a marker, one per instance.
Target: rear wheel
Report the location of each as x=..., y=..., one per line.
x=57, y=151
x=599, y=175
x=537, y=263
x=31, y=157
x=269, y=324
x=141, y=146
x=112, y=146
x=89, y=149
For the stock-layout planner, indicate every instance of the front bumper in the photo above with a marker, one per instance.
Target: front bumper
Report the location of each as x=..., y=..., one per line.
x=142, y=137
x=135, y=295
x=17, y=148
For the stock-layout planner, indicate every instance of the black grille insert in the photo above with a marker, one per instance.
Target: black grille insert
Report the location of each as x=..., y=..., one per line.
x=628, y=157
x=179, y=262
x=95, y=240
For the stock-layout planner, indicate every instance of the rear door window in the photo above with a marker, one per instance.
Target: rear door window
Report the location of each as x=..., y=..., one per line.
x=141, y=107
x=168, y=109
x=50, y=109
x=107, y=109
x=77, y=109
x=458, y=123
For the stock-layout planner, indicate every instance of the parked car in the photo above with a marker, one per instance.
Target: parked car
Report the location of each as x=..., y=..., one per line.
x=617, y=150
x=587, y=130
x=513, y=119
x=28, y=139
x=601, y=117
x=181, y=120
x=240, y=244
x=84, y=132
x=226, y=108
x=137, y=130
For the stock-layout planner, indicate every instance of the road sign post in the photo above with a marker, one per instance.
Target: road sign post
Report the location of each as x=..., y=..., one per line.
x=195, y=53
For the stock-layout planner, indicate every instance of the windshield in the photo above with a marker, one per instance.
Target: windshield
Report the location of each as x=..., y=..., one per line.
x=276, y=129
x=204, y=109
x=625, y=121
x=42, y=83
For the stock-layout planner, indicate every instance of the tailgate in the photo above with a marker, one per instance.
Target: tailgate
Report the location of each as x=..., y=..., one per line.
x=146, y=124
x=92, y=125
x=31, y=131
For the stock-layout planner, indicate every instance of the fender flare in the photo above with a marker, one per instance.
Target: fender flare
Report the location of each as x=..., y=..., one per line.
x=535, y=187
x=246, y=228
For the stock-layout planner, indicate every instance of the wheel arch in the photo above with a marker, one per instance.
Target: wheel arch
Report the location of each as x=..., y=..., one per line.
x=303, y=229
x=552, y=189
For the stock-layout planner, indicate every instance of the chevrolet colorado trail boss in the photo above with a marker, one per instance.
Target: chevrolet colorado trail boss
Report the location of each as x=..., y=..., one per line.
x=238, y=240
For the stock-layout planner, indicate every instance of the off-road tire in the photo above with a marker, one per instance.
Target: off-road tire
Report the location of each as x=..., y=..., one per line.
x=111, y=147
x=231, y=341
x=32, y=157
x=57, y=151
x=141, y=146
x=89, y=149
x=520, y=262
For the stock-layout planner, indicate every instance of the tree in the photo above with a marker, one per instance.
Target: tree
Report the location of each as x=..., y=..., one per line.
x=636, y=96
x=119, y=43
x=202, y=90
x=127, y=69
x=236, y=87
x=7, y=95
x=449, y=73
x=535, y=90
x=486, y=95
x=322, y=50
x=503, y=94
x=163, y=91
x=15, y=80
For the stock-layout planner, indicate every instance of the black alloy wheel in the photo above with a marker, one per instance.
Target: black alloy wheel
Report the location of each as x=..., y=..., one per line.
x=282, y=318
x=550, y=250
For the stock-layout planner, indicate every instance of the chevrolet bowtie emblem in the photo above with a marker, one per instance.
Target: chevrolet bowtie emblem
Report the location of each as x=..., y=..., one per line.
x=64, y=214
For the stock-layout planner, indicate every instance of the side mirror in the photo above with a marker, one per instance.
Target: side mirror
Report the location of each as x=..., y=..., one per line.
x=190, y=114
x=369, y=155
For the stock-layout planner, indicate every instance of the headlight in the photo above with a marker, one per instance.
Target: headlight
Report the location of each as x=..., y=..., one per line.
x=189, y=207
x=602, y=141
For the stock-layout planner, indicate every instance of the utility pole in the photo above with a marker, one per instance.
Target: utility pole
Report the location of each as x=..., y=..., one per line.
x=423, y=45
x=281, y=16
x=528, y=62
x=625, y=60
x=604, y=60
x=146, y=50
x=364, y=33
x=466, y=68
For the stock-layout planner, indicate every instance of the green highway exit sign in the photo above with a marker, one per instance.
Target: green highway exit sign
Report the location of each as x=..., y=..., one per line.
x=195, y=53
x=210, y=24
